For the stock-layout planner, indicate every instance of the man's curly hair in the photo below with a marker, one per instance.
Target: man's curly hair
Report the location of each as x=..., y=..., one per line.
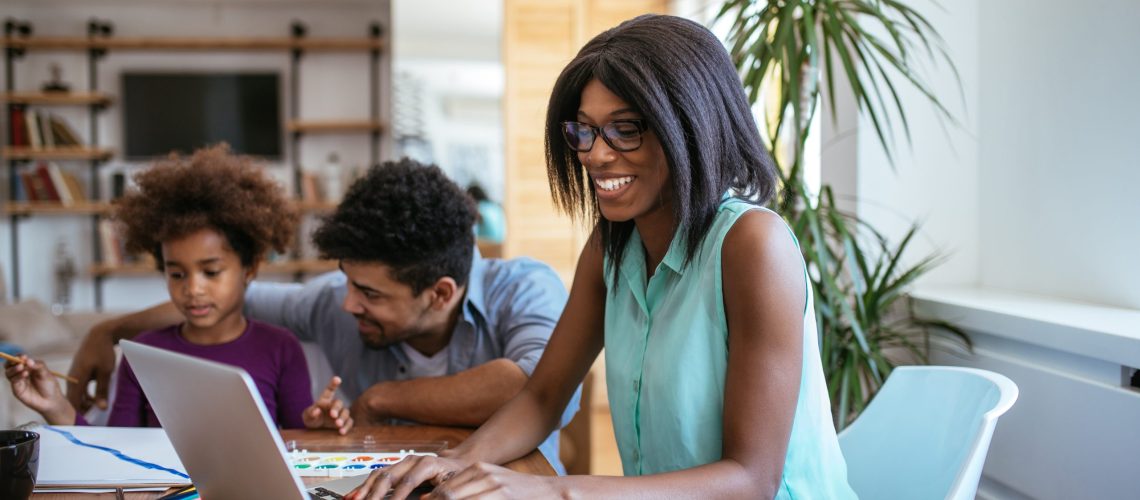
x=211, y=189
x=407, y=216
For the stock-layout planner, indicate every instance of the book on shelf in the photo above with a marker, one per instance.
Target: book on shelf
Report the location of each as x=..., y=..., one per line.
x=44, y=122
x=110, y=243
x=37, y=129
x=48, y=183
x=58, y=184
x=33, y=128
x=63, y=134
x=310, y=188
x=49, y=191
x=74, y=187
x=33, y=190
x=17, y=133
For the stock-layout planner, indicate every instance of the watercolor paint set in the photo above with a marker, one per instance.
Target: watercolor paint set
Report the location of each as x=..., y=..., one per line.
x=340, y=464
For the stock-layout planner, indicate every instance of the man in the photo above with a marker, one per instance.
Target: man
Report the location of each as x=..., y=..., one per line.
x=418, y=326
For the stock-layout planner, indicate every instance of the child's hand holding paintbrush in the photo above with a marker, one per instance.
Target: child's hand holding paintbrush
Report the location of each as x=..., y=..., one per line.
x=33, y=384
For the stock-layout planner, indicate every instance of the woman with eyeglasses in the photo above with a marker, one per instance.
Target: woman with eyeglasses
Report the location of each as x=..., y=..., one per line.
x=698, y=294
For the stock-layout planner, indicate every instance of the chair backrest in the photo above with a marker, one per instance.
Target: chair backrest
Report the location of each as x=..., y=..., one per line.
x=926, y=433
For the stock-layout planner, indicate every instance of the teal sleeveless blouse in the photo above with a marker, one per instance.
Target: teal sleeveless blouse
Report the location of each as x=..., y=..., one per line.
x=666, y=351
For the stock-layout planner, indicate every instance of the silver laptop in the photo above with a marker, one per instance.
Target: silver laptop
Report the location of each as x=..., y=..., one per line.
x=220, y=428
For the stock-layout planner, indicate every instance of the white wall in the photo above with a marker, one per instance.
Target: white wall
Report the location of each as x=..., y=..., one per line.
x=454, y=50
x=333, y=85
x=935, y=179
x=1036, y=191
x=1059, y=156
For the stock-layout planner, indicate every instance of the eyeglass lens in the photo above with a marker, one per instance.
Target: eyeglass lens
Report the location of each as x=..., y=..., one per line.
x=622, y=135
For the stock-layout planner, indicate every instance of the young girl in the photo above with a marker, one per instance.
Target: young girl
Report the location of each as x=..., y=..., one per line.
x=698, y=295
x=209, y=221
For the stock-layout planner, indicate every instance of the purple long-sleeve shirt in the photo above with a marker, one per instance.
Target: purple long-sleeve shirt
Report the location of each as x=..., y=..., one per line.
x=271, y=355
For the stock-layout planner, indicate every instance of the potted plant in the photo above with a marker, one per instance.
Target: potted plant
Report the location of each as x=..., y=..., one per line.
x=792, y=49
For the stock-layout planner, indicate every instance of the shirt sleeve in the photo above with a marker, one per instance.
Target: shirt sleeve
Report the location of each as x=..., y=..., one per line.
x=532, y=302
x=127, y=410
x=529, y=302
x=301, y=309
x=294, y=389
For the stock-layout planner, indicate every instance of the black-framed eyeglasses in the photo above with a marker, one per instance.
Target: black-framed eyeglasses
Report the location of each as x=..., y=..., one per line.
x=621, y=135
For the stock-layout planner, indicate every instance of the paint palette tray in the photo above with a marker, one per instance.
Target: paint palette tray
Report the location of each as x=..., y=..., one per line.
x=343, y=464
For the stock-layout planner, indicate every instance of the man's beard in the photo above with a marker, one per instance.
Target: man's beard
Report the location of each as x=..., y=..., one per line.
x=376, y=338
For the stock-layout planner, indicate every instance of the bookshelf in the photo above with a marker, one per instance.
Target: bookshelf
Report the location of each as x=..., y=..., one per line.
x=316, y=127
x=27, y=208
x=99, y=44
x=104, y=208
x=57, y=153
x=331, y=44
x=57, y=98
x=291, y=267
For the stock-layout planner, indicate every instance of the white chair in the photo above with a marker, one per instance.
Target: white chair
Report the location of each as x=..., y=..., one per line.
x=926, y=433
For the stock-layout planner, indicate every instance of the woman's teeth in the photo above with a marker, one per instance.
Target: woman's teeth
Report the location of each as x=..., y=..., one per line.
x=612, y=184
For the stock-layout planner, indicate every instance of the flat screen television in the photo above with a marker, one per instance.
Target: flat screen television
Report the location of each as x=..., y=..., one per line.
x=165, y=112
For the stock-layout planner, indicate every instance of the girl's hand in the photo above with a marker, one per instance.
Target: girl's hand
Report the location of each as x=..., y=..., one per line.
x=405, y=476
x=484, y=480
x=328, y=412
x=35, y=386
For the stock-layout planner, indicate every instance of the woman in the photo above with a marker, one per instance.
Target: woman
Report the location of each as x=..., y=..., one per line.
x=699, y=297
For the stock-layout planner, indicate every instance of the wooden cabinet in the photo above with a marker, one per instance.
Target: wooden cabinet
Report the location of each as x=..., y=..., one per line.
x=540, y=37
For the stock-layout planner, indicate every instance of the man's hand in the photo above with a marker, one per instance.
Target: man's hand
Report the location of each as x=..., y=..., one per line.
x=95, y=360
x=367, y=408
x=328, y=412
x=35, y=386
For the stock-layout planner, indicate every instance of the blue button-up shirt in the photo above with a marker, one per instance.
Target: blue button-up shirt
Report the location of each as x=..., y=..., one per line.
x=509, y=311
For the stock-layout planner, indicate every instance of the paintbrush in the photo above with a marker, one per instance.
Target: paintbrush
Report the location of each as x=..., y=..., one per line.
x=15, y=359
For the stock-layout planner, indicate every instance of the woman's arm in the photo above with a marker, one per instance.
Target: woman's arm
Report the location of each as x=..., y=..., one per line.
x=531, y=416
x=524, y=422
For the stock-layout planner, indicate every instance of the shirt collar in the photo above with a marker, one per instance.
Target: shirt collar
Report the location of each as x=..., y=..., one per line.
x=633, y=260
x=675, y=256
x=679, y=247
x=474, y=301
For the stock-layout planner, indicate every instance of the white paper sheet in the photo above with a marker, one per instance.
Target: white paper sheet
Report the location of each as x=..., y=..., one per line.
x=64, y=463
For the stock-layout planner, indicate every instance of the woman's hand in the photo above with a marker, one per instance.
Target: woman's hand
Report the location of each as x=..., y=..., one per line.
x=484, y=480
x=405, y=476
x=328, y=411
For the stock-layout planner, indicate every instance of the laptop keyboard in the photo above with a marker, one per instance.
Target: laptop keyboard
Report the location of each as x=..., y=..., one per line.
x=323, y=494
x=319, y=493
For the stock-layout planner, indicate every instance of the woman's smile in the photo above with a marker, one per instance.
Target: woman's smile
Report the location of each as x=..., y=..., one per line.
x=612, y=187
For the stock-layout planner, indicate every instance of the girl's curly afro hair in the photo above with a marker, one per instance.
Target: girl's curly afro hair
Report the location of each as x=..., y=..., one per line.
x=212, y=189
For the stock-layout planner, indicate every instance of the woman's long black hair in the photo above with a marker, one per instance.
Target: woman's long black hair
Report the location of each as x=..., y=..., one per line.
x=678, y=76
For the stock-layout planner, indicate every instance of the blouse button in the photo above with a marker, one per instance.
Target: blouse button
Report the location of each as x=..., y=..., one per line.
x=636, y=385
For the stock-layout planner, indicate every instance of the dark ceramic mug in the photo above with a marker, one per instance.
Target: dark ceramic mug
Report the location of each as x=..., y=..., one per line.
x=19, y=463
